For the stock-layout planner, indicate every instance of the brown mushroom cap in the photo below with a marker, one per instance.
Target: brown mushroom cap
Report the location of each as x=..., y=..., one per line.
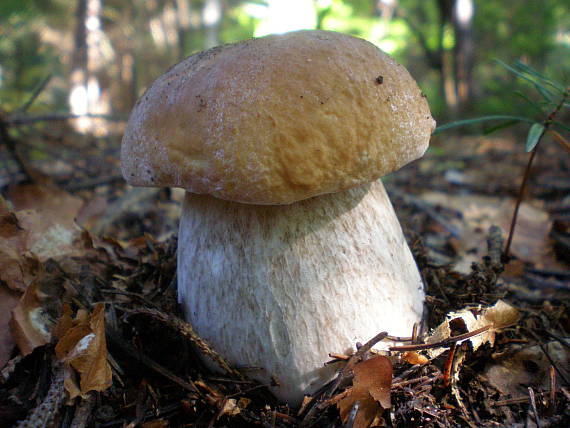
x=277, y=119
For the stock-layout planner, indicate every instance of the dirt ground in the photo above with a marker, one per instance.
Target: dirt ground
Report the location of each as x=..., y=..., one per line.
x=108, y=273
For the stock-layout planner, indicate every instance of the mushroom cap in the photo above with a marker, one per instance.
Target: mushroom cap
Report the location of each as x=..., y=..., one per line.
x=277, y=119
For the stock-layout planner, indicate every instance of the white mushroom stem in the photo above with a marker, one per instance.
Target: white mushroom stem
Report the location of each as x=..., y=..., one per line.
x=279, y=287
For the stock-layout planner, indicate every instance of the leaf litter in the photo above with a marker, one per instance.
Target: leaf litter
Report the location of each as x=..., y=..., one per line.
x=100, y=339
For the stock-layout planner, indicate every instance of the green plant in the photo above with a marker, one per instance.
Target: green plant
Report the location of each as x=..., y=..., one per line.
x=553, y=97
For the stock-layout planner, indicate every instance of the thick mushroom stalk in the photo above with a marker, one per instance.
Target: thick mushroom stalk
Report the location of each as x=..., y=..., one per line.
x=279, y=287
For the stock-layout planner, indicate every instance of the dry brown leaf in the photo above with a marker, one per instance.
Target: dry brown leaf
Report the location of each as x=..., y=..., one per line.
x=531, y=242
x=371, y=388
x=498, y=316
x=30, y=324
x=523, y=366
x=64, y=323
x=47, y=199
x=16, y=268
x=8, y=301
x=83, y=350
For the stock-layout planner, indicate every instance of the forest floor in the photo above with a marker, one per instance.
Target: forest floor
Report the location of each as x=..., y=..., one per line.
x=76, y=236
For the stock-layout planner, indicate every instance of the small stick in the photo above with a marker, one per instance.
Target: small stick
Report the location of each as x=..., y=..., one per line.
x=335, y=399
x=442, y=343
x=410, y=381
x=39, y=89
x=188, y=332
x=533, y=406
x=519, y=400
x=552, y=404
x=356, y=358
x=43, y=414
x=187, y=385
x=331, y=388
x=448, y=365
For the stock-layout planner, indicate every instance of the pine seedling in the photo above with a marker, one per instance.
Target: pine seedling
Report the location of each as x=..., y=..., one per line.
x=553, y=97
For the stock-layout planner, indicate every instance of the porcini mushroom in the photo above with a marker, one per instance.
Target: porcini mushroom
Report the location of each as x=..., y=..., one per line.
x=288, y=246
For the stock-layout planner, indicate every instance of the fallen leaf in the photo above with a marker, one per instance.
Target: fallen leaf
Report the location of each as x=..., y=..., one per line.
x=8, y=301
x=531, y=241
x=83, y=350
x=46, y=199
x=16, y=267
x=498, y=316
x=30, y=323
x=371, y=388
x=524, y=366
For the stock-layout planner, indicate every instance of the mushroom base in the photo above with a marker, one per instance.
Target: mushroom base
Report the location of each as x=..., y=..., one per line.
x=277, y=288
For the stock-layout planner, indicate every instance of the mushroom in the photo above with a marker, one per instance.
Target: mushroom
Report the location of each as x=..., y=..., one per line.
x=288, y=247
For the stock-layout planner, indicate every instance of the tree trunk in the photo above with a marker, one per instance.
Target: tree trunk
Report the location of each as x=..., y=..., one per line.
x=464, y=50
x=211, y=19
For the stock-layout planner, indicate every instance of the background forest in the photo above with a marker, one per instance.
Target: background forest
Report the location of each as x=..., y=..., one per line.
x=100, y=55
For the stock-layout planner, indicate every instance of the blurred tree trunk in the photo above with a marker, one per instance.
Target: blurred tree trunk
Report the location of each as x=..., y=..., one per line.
x=211, y=19
x=183, y=24
x=88, y=67
x=79, y=55
x=463, y=50
x=453, y=63
x=446, y=60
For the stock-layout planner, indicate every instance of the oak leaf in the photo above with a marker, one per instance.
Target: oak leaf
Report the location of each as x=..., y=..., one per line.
x=371, y=389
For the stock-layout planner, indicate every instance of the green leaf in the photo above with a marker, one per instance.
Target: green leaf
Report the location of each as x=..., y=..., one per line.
x=530, y=70
x=540, y=88
x=480, y=120
x=533, y=137
x=500, y=126
x=534, y=104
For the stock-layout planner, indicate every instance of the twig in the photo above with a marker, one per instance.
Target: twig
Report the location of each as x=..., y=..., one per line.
x=552, y=404
x=50, y=406
x=519, y=400
x=344, y=374
x=520, y=196
x=188, y=332
x=441, y=343
x=448, y=365
x=410, y=381
x=39, y=89
x=533, y=406
x=356, y=358
x=552, y=362
x=10, y=144
x=187, y=385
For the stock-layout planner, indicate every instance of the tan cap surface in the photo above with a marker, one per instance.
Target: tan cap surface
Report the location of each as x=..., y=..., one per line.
x=277, y=119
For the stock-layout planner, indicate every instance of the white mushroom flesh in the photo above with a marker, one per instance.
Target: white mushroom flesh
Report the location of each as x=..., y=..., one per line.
x=280, y=287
